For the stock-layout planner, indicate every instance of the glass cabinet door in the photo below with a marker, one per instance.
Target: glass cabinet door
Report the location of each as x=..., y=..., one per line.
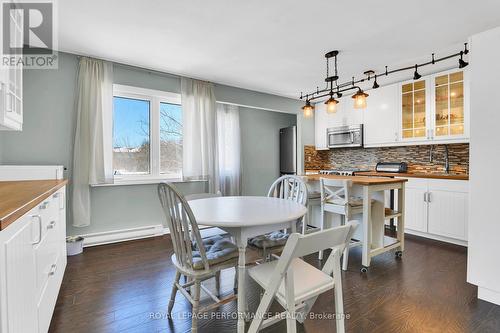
x=449, y=103
x=413, y=110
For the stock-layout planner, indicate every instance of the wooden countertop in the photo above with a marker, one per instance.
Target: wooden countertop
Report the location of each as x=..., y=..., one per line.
x=19, y=197
x=413, y=175
x=360, y=180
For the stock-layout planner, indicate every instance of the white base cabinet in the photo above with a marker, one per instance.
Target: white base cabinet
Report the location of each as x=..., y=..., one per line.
x=437, y=208
x=32, y=263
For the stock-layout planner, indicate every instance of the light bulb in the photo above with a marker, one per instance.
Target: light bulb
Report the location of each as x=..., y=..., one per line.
x=360, y=99
x=331, y=105
x=308, y=113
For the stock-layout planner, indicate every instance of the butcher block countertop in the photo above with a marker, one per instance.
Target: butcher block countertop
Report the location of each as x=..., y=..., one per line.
x=360, y=180
x=19, y=197
x=414, y=175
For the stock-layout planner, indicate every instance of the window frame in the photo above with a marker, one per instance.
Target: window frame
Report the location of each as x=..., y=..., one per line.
x=154, y=97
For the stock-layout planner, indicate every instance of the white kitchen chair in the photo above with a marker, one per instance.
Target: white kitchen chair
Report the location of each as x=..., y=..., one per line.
x=286, y=187
x=296, y=284
x=337, y=198
x=196, y=258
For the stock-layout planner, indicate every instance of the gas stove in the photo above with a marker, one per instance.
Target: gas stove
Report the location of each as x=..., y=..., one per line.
x=341, y=172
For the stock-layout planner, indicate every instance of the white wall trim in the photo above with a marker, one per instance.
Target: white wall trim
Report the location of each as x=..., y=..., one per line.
x=488, y=295
x=436, y=237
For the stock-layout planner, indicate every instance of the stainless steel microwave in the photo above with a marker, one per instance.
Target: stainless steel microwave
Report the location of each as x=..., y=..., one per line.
x=345, y=136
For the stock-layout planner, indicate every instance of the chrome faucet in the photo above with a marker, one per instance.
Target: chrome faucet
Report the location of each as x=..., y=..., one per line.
x=446, y=159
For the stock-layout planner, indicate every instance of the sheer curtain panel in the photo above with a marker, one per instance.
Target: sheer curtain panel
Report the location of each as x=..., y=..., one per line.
x=229, y=146
x=92, y=154
x=200, y=157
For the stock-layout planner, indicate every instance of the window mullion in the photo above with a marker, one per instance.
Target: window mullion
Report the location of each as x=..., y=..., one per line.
x=155, y=137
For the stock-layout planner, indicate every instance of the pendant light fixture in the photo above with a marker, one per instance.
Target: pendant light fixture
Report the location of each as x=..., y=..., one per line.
x=416, y=75
x=360, y=99
x=308, y=109
x=331, y=104
x=333, y=87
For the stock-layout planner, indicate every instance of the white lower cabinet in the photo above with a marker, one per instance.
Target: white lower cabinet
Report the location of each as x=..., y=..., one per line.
x=437, y=208
x=32, y=263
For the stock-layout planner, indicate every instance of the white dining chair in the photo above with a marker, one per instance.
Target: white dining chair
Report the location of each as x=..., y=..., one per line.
x=337, y=198
x=196, y=258
x=286, y=187
x=295, y=284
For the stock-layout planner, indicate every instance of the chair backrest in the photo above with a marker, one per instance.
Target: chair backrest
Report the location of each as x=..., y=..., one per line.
x=335, y=190
x=289, y=187
x=182, y=225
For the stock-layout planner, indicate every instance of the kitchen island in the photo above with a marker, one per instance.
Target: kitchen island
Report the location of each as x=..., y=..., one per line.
x=373, y=239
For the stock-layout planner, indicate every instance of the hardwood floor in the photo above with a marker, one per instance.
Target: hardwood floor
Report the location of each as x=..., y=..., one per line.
x=125, y=288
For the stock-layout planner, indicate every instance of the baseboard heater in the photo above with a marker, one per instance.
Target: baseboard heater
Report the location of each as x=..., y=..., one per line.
x=115, y=236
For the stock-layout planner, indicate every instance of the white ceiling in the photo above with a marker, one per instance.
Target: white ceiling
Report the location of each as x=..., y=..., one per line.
x=272, y=46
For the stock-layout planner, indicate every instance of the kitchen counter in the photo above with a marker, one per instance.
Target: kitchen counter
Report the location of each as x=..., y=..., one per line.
x=359, y=180
x=19, y=197
x=414, y=175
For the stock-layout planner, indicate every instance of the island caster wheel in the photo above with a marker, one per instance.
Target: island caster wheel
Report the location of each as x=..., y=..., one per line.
x=364, y=270
x=399, y=254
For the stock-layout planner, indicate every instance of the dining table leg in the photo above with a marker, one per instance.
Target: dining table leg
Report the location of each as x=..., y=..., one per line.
x=242, y=299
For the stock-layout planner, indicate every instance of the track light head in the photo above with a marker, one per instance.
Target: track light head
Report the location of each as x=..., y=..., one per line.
x=375, y=84
x=308, y=109
x=416, y=75
x=331, y=104
x=360, y=99
x=461, y=62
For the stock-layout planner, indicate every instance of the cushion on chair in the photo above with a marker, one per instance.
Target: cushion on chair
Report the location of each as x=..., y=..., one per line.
x=273, y=239
x=218, y=249
x=353, y=201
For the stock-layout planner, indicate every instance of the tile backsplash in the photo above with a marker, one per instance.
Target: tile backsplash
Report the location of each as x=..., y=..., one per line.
x=417, y=158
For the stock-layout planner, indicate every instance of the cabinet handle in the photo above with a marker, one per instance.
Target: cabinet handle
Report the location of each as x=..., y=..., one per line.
x=53, y=269
x=425, y=196
x=51, y=225
x=429, y=198
x=44, y=205
x=39, y=218
x=55, y=195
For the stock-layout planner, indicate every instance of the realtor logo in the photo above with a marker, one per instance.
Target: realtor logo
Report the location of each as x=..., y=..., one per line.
x=28, y=34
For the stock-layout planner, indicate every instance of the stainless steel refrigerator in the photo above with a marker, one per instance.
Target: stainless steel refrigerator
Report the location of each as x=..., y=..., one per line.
x=288, y=150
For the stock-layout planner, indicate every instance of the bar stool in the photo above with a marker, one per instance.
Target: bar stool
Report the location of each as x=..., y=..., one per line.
x=337, y=198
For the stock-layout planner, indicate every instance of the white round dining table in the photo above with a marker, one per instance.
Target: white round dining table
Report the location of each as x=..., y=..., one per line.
x=245, y=217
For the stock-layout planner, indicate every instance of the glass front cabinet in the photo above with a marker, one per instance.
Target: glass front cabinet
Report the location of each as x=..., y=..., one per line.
x=435, y=108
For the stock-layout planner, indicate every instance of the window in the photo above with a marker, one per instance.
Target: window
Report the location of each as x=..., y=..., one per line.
x=147, y=134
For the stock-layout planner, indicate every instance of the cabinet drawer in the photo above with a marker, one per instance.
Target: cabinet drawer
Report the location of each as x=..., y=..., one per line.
x=49, y=214
x=48, y=297
x=46, y=254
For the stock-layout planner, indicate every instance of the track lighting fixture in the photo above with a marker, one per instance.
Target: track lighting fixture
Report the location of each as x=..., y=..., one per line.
x=375, y=84
x=333, y=87
x=461, y=62
x=360, y=99
x=331, y=104
x=416, y=75
x=308, y=109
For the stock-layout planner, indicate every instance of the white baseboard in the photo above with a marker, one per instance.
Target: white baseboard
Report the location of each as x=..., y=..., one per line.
x=436, y=237
x=115, y=236
x=488, y=295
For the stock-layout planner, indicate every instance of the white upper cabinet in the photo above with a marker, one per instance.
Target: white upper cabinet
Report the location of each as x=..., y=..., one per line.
x=381, y=117
x=320, y=126
x=11, y=84
x=435, y=109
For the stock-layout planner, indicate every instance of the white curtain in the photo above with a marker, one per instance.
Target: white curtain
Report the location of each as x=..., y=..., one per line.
x=92, y=155
x=199, y=146
x=229, y=147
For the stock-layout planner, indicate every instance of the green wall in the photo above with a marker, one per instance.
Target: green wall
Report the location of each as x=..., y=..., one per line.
x=48, y=133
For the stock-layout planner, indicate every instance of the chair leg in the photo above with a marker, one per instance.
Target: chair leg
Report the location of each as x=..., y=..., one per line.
x=174, y=292
x=196, y=306
x=235, y=287
x=217, y=283
x=321, y=226
x=345, y=258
